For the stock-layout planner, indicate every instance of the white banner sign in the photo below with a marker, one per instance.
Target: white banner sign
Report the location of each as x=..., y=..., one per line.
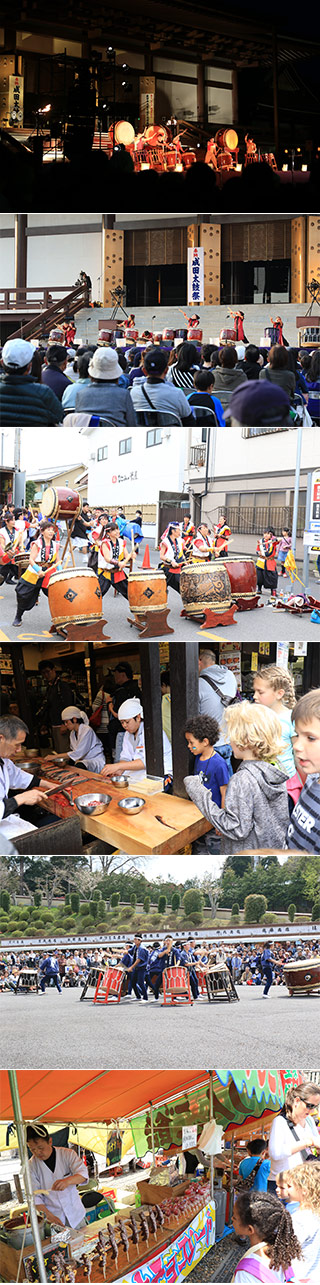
x=189, y=1136
x=15, y=105
x=195, y=274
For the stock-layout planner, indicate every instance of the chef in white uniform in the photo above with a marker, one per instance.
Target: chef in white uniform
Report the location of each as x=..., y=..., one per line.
x=28, y=788
x=133, y=754
x=85, y=746
x=56, y=1172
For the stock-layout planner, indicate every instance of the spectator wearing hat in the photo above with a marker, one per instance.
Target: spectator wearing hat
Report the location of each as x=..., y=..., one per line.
x=104, y=396
x=52, y=373
x=226, y=377
x=23, y=401
x=259, y=404
x=156, y=400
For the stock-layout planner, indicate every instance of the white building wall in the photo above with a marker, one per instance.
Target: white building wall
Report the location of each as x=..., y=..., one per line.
x=241, y=457
x=57, y=260
x=136, y=478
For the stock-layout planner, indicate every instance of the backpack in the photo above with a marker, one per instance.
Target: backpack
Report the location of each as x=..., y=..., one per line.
x=225, y=700
x=245, y=1184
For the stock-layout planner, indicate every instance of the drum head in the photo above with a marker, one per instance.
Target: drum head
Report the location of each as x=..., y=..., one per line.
x=231, y=139
x=48, y=502
x=155, y=135
x=124, y=132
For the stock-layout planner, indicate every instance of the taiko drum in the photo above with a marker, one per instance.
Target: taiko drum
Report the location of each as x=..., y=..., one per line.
x=194, y=334
x=168, y=334
x=60, y=502
x=303, y=977
x=75, y=597
x=226, y=336
x=147, y=591
x=243, y=579
x=205, y=587
x=227, y=138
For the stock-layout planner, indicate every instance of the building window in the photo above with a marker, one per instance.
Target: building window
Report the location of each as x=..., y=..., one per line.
x=125, y=446
x=154, y=437
x=252, y=513
x=102, y=453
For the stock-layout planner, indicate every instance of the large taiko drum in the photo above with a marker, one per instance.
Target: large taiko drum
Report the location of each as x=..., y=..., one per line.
x=155, y=135
x=205, y=587
x=124, y=132
x=194, y=334
x=75, y=597
x=157, y=335
x=131, y=334
x=182, y=334
x=227, y=138
x=243, y=579
x=303, y=977
x=168, y=334
x=60, y=502
x=188, y=159
x=171, y=158
x=105, y=337
x=147, y=591
x=227, y=336
x=224, y=160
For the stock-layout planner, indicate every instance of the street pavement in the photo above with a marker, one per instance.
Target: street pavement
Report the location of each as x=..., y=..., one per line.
x=58, y=1030
x=264, y=623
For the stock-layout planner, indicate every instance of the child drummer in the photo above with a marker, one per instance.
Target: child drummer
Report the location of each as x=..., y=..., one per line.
x=43, y=561
x=112, y=560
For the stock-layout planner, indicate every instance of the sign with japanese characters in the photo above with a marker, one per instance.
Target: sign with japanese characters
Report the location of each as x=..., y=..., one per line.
x=15, y=103
x=195, y=274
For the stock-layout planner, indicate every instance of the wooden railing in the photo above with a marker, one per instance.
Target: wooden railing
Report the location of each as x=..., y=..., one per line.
x=51, y=315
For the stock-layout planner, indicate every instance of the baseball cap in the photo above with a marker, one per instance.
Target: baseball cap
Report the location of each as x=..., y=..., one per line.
x=17, y=353
x=104, y=364
x=155, y=361
x=255, y=403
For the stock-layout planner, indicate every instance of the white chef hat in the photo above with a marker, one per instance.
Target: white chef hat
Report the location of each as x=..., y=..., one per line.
x=72, y=711
x=130, y=708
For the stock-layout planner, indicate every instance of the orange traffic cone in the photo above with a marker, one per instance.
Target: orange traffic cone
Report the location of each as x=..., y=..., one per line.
x=146, y=565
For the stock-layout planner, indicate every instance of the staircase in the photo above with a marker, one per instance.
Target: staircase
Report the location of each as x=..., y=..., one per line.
x=46, y=320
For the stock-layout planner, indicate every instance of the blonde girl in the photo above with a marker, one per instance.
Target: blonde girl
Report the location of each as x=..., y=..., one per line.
x=256, y=801
x=274, y=688
x=302, y=1184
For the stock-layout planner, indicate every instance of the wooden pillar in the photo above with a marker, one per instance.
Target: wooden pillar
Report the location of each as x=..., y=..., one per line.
x=192, y=235
x=210, y=239
x=23, y=699
x=112, y=262
x=201, y=93
x=313, y=248
x=298, y=260
x=235, y=106
x=20, y=251
x=7, y=68
x=275, y=94
x=151, y=694
x=184, y=679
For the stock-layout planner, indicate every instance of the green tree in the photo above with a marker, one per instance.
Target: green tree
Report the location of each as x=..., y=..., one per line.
x=102, y=908
x=31, y=488
x=235, y=909
x=37, y=898
x=315, y=914
x=114, y=900
x=96, y=894
x=5, y=900
x=75, y=903
x=133, y=900
x=193, y=901
x=176, y=900
x=292, y=910
x=67, y=899
x=146, y=905
x=162, y=904
x=254, y=907
x=94, y=909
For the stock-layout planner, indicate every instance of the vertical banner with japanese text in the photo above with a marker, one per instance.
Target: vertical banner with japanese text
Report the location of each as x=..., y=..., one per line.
x=195, y=274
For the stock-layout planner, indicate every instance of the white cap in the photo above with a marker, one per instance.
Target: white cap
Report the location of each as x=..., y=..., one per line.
x=130, y=709
x=72, y=711
x=17, y=353
x=104, y=364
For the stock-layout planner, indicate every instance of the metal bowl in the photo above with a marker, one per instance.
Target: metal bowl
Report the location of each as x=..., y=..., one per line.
x=120, y=782
x=87, y=803
x=58, y=760
x=29, y=767
x=132, y=806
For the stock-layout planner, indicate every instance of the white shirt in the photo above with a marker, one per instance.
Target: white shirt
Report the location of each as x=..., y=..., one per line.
x=307, y=1228
x=66, y=1204
x=86, y=748
x=281, y=1141
x=11, y=778
x=133, y=747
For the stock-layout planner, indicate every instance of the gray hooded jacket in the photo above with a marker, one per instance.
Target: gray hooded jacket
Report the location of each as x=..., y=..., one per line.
x=256, y=807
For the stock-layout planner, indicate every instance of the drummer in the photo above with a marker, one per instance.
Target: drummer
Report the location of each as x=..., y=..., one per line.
x=112, y=560
x=86, y=750
x=43, y=561
x=172, y=555
x=202, y=545
x=11, y=542
x=222, y=535
x=188, y=532
x=133, y=753
x=194, y=321
x=30, y=786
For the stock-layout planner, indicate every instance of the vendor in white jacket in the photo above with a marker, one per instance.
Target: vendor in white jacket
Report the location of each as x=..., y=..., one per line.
x=133, y=753
x=27, y=788
x=85, y=748
x=56, y=1172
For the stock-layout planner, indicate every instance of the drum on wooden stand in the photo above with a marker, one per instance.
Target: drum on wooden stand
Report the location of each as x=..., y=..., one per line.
x=243, y=579
x=227, y=336
x=124, y=133
x=227, y=138
x=188, y=159
x=224, y=160
x=75, y=597
x=168, y=334
x=303, y=976
x=206, y=590
x=131, y=334
x=60, y=502
x=148, y=599
x=155, y=135
x=194, y=334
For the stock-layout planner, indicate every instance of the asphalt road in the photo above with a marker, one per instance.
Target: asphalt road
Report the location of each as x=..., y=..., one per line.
x=57, y=1030
x=264, y=623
